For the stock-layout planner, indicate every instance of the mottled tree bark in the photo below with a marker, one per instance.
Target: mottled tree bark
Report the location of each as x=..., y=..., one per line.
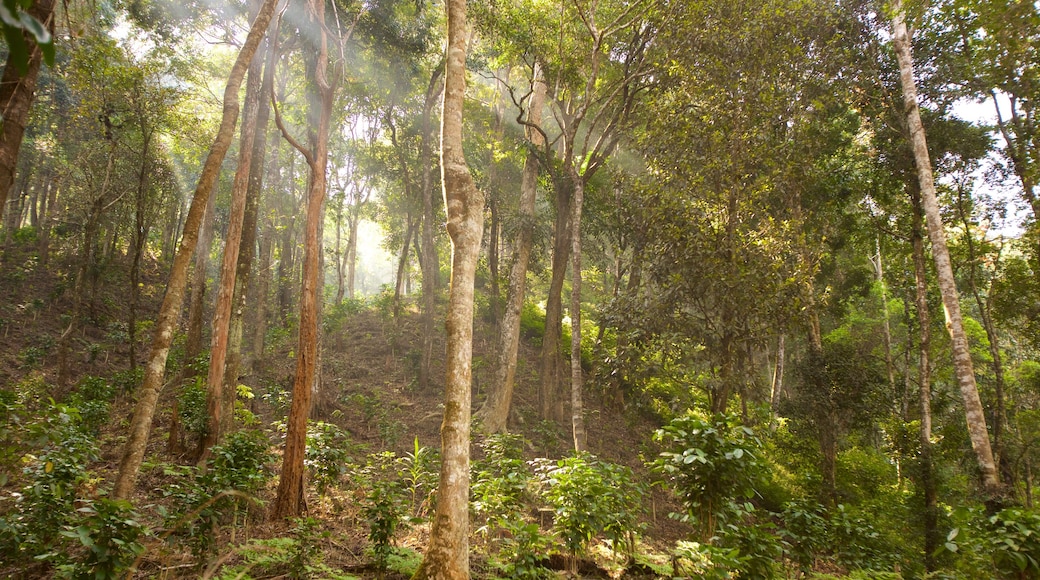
x=448, y=554
x=577, y=403
x=494, y=414
x=973, y=412
x=141, y=424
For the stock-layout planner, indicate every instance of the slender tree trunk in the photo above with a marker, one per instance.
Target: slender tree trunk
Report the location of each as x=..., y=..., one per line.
x=447, y=557
x=402, y=263
x=549, y=400
x=577, y=404
x=17, y=92
x=778, y=380
x=141, y=424
x=219, y=402
x=351, y=258
x=890, y=367
x=928, y=484
x=138, y=242
x=494, y=414
x=985, y=314
x=973, y=411
x=87, y=264
x=45, y=221
x=320, y=92
x=429, y=263
x=197, y=301
x=247, y=246
x=260, y=303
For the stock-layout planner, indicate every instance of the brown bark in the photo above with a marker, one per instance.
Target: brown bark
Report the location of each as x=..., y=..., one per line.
x=197, y=301
x=138, y=241
x=928, y=483
x=141, y=424
x=549, y=401
x=973, y=412
x=220, y=401
x=17, y=92
x=247, y=246
x=320, y=92
x=577, y=404
x=448, y=554
x=494, y=414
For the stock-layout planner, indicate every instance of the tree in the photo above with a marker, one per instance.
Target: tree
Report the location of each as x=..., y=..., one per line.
x=220, y=399
x=448, y=554
x=169, y=312
x=965, y=372
x=27, y=41
x=321, y=87
x=494, y=414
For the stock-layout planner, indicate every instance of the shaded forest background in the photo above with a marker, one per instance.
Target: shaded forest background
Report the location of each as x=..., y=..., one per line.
x=725, y=323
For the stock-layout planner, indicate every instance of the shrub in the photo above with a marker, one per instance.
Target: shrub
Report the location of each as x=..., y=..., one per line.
x=110, y=531
x=384, y=504
x=191, y=406
x=1012, y=538
x=804, y=531
x=709, y=462
x=589, y=497
x=327, y=455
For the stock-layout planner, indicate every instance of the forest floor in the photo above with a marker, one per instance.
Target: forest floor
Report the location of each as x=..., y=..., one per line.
x=369, y=389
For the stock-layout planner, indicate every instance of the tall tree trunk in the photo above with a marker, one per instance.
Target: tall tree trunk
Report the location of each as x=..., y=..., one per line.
x=141, y=424
x=778, y=381
x=494, y=414
x=286, y=253
x=997, y=359
x=890, y=367
x=260, y=303
x=138, y=242
x=973, y=412
x=219, y=402
x=87, y=264
x=247, y=246
x=197, y=301
x=402, y=263
x=928, y=484
x=448, y=554
x=17, y=92
x=577, y=404
x=45, y=221
x=429, y=263
x=549, y=401
x=320, y=92
x=351, y=257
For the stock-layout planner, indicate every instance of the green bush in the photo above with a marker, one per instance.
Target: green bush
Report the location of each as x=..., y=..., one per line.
x=709, y=463
x=110, y=531
x=204, y=499
x=589, y=497
x=327, y=456
x=191, y=406
x=1012, y=538
x=385, y=503
x=30, y=529
x=805, y=532
x=532, y=323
